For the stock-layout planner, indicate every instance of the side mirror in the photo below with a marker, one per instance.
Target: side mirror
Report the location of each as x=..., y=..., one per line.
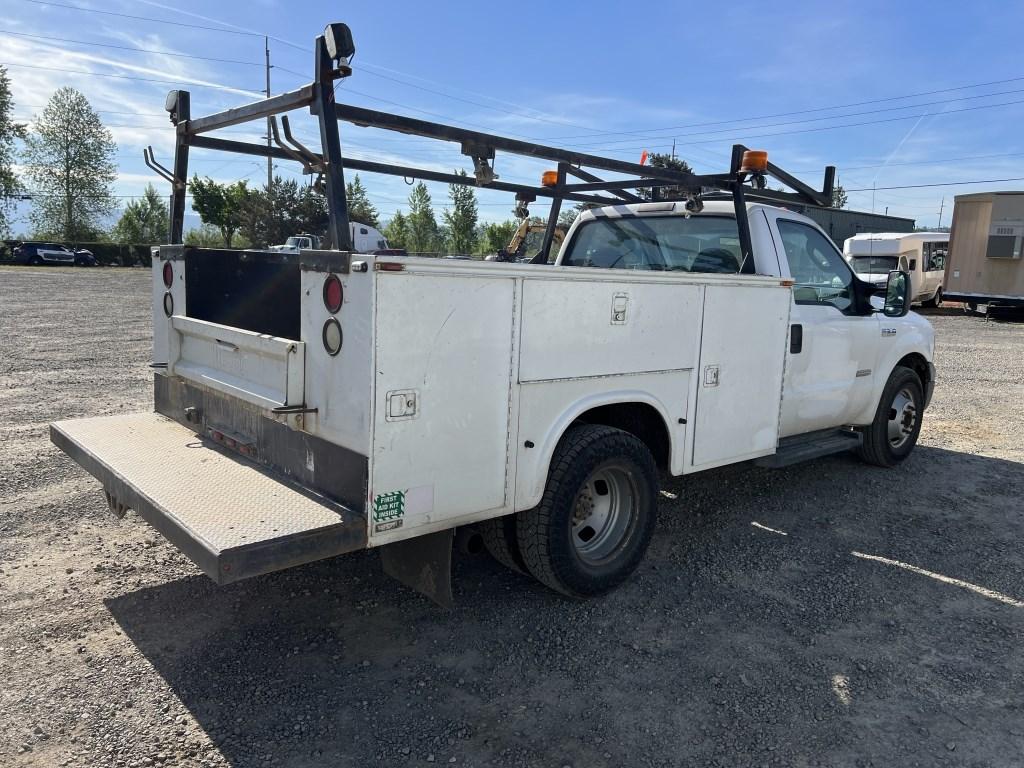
x=897, y=294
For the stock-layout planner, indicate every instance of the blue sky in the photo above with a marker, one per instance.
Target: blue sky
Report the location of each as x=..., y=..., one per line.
x=813, y=83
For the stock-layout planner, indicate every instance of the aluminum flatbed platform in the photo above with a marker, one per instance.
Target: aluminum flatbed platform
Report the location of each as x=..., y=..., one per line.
x=232, y=517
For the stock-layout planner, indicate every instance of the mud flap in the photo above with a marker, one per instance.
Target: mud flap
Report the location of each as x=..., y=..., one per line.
x=423, y=563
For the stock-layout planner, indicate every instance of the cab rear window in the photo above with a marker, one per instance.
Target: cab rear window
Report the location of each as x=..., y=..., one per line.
x=662, y=243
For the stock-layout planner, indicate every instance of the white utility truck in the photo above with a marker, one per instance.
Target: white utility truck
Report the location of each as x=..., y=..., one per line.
x=920, y=254
x=316, y=403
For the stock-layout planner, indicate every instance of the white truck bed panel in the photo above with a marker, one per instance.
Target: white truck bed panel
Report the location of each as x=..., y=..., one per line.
x=443, y=378
x=581, y=328
x=739, y=382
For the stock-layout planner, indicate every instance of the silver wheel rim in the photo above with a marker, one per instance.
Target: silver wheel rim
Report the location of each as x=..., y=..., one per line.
x=603, y=512
x=902, y=418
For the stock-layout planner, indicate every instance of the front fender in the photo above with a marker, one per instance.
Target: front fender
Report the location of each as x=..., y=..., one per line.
x=914, y=334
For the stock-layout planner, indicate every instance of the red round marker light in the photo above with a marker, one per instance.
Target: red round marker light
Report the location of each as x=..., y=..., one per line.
x=333, y=294
x=168, y=274
x=332, y=336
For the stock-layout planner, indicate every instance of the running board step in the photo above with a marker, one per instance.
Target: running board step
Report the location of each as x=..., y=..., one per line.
x=793, y=450
x=230, y=516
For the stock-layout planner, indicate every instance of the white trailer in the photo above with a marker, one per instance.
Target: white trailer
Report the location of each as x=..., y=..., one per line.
x=315, y=403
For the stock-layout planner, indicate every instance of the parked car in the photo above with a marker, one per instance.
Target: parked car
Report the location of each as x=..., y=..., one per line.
x=38, y=254
x=84, y=258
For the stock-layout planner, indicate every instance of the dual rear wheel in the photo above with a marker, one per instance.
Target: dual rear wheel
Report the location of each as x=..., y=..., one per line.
x=594, y=522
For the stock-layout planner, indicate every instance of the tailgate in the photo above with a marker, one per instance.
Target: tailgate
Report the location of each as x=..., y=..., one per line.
x=267, y=371
x=233, y=518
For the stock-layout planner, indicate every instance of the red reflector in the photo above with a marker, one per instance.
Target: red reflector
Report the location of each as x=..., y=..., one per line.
x=333, y=294
x=388, y=266
x=168, y=274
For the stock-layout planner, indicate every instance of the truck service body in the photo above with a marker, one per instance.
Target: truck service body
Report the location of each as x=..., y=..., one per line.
x=314, y=403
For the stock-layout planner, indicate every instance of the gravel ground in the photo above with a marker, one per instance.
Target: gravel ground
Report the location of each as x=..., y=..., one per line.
x=734, y=644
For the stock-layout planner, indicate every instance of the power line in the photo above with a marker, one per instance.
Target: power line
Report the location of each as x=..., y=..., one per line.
x=828, y=117
x=823, y=128
x=816, y=109
x=132, y=48
x=941, y=161
x=942, y=184
x=126, y=77
x=142, y=18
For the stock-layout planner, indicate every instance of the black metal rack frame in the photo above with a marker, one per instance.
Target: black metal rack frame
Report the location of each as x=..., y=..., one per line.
x=585, y=187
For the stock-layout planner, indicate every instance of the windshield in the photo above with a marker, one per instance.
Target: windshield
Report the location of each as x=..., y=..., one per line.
x=296, y=242
x=873, y=265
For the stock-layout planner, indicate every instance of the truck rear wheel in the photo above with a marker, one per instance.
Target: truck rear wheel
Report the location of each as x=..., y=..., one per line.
x=500, y=540
x=894, y=432
x=595, y=520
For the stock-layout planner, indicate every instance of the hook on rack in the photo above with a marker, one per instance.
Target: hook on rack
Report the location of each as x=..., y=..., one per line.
x=310, y=161
x=167, y=175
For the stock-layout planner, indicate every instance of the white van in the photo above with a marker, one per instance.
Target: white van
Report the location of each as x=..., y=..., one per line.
x=922, y=254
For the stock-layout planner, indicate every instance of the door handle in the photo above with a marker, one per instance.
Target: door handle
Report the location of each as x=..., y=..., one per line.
x=796, y=338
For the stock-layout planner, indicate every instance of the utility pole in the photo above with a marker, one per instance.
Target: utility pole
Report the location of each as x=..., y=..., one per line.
x=270, y=165
x=941, y=206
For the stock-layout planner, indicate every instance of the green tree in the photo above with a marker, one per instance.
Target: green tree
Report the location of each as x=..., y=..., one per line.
x=10, y=131
x=221, y=205
x=144, y=221
x=497, y=235
x=839, y=197
x=397, y=231
x=69, y=156
x=359, y=206
x=209, y=236
x=665, y=160
x=422, y=225
x=461, y=218
x=268, y=216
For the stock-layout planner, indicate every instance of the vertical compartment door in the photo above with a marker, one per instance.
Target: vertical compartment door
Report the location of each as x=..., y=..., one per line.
x=739, y=380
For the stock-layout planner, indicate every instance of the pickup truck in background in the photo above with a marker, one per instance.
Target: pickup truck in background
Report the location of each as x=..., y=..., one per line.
x=315, y=403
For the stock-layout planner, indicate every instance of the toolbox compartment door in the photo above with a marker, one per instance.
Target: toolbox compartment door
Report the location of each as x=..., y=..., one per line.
x=232, y=517
x=267, y=371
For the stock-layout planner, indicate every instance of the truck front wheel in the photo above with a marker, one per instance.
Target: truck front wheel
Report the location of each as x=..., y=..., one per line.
x=595, y=520
x=893, y=434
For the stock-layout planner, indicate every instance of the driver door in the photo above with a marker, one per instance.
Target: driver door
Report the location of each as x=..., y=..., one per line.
x=831, y=357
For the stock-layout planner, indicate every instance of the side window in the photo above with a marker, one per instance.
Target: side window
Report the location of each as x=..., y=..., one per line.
x=702, y=243
x=819, y=272
x=936, y=256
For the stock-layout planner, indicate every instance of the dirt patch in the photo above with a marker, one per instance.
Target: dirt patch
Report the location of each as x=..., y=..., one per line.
x=778, y=643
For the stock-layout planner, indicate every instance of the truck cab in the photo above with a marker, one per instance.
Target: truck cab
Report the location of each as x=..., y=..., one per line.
x=841, y=347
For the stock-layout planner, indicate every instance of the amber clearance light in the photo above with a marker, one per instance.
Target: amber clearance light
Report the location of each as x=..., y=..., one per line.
x=549, y=179
x=754, y=161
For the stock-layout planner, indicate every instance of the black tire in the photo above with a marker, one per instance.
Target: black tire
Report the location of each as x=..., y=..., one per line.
x=36, y=261
x=549, y=541
x=499, y=535
x=935, y=300
x=879, y=446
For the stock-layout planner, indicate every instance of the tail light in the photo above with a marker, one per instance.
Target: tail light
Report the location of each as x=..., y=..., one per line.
x=332, y=337
x=334, y=294
x=168, y=274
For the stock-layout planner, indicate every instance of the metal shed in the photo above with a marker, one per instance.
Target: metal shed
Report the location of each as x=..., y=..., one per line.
x=984, y=264
x=840, y=223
